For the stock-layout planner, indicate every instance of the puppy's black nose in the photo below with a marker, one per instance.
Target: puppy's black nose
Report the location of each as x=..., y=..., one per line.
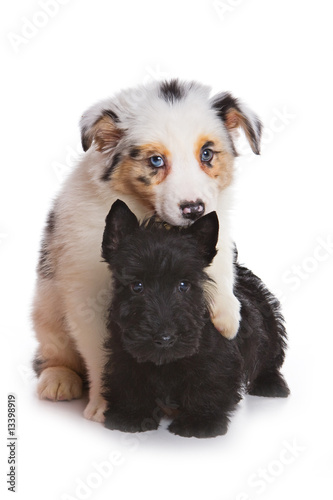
x=192, y=210
x=164, y=341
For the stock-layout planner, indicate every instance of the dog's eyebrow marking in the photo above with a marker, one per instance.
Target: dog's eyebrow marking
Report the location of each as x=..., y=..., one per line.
x=134, y=152
x=172, y=91
x=208, y=144
x=116, y=159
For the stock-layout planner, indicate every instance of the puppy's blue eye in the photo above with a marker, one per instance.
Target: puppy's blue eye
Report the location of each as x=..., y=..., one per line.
x=207, y=155
x=137, y=287
x=156, y=161
x=184, y=286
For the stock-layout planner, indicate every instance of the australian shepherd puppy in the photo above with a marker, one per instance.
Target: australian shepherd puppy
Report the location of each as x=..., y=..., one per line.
x=164, y=149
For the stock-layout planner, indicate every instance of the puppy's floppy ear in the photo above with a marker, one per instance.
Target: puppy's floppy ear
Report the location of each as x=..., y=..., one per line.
x=235, y=114
x=100, y=125
x=206, y=231
x=119, y=222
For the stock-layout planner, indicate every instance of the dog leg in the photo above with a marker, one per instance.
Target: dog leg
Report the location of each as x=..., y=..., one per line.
x=89, y=336
x=226, y=307
x=86, y=306
x=57, y=363
x=130, y=396
x=96, y=407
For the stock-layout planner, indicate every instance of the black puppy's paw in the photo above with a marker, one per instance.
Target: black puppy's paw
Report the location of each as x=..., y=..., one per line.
x=269, y=384
x=199, y=428
x=125, y=423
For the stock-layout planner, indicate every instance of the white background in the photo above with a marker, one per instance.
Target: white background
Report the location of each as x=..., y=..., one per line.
x=277, y=57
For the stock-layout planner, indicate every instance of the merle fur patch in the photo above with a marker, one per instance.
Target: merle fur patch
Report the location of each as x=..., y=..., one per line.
x=172, y=91
x=114, y=117
x=134, y=152
x=108, y=171
x=45, y=266
x=51, y=222
x=38, y=365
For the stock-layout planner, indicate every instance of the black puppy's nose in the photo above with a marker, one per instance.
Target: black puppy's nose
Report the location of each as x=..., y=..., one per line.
x=192, y=210
x=164, y=341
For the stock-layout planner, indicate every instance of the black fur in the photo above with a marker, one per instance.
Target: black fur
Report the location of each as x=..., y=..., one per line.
x=45, y=265
x=172, y=90
x=134, y=152
x=145, y=180
x=45, y=268
x=51, y=222
x=165, y=355
x=108, y=171
x=38, y=365
x=114, y=117
x=84, y=139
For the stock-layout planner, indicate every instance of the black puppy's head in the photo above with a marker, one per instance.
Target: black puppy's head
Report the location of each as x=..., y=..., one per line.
x=160, y=294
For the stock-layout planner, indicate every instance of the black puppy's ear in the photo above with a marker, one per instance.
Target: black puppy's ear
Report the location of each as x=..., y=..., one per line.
x=235, y=114
x=206, y=231
x=119, y=222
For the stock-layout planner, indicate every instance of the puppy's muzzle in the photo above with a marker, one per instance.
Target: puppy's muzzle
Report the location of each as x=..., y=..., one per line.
x=192, y=210
x=164, y=341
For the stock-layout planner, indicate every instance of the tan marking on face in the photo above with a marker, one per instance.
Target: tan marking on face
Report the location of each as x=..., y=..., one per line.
x=221, y=165
x=136, y=176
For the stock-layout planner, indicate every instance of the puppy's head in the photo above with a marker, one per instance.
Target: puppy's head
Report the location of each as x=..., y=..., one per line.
x=160, y=296
x=170, y=145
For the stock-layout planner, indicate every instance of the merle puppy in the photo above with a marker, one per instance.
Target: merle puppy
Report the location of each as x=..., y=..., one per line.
x=165, y=355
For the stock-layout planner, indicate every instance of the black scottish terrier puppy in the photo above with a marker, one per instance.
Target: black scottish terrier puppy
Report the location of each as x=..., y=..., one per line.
x=165, y=355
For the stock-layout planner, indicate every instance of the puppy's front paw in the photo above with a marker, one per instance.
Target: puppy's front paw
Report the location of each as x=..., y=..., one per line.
x=59, y=383
x=226, y=315
x=129, y=423
x=199, y=428
x=95, y=409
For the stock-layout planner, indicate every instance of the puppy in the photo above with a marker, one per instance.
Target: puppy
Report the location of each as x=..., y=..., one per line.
x=162, y=346
x=167, y=149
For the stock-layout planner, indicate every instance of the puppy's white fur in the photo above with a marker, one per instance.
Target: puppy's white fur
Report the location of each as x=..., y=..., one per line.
x=73, y=288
